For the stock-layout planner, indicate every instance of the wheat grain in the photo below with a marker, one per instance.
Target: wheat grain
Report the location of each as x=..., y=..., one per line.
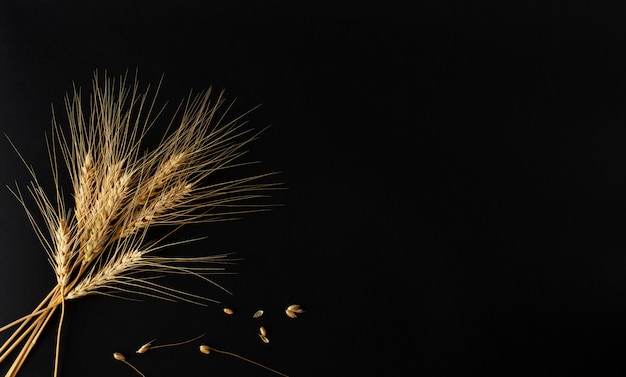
x=144, y=348
x=294, y=308
x=119, y=357
x=290, y=313
x=257, y=314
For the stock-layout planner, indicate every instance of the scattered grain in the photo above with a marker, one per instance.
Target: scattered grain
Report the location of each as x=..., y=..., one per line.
x=290, y=313
x=257, y=314
x=295, y=308
x=144, y=348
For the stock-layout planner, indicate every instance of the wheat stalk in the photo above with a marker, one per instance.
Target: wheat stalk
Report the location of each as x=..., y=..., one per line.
x=120, y=190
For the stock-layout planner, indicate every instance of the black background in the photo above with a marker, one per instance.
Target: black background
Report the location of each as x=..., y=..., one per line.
x=455, y=173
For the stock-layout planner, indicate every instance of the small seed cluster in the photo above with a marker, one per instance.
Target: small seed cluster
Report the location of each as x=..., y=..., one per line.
x=291, y=311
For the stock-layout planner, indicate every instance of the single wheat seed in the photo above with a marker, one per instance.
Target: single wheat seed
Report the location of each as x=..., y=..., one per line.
x=262, y=331
x=295, y=308
x=228, y=311
x=290, y=313
x=145, y=347
x=118, y=356
x=257, y=314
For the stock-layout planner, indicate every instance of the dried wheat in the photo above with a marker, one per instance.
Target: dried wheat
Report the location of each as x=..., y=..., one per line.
x=121, y=190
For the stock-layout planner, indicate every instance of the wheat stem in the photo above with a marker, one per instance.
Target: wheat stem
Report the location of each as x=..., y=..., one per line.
x=35, y=312
x=20, y=333
x=58, y=342
x=133, y=367
x=248, y=360
x=176, y=344
x=31, y=341
x=33, y=331
x=12, y=344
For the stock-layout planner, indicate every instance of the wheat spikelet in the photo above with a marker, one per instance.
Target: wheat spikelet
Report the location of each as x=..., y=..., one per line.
x=106, y=275
x=121, y=189
x=163, y=174
x=152, y=211
x=63, y=253
x=105, y=211
x=124, y=271
x=83, y=189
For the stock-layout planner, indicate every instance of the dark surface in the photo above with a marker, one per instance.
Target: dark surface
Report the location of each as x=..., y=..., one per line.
x=456, y=177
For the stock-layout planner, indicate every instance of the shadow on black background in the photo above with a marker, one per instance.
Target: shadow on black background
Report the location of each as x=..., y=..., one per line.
x=455, y=179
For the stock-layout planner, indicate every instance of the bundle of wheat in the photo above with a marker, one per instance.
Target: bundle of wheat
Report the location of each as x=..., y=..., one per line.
x=99, y=245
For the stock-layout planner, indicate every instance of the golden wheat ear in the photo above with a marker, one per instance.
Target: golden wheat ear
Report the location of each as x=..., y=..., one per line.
x=121, y=188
